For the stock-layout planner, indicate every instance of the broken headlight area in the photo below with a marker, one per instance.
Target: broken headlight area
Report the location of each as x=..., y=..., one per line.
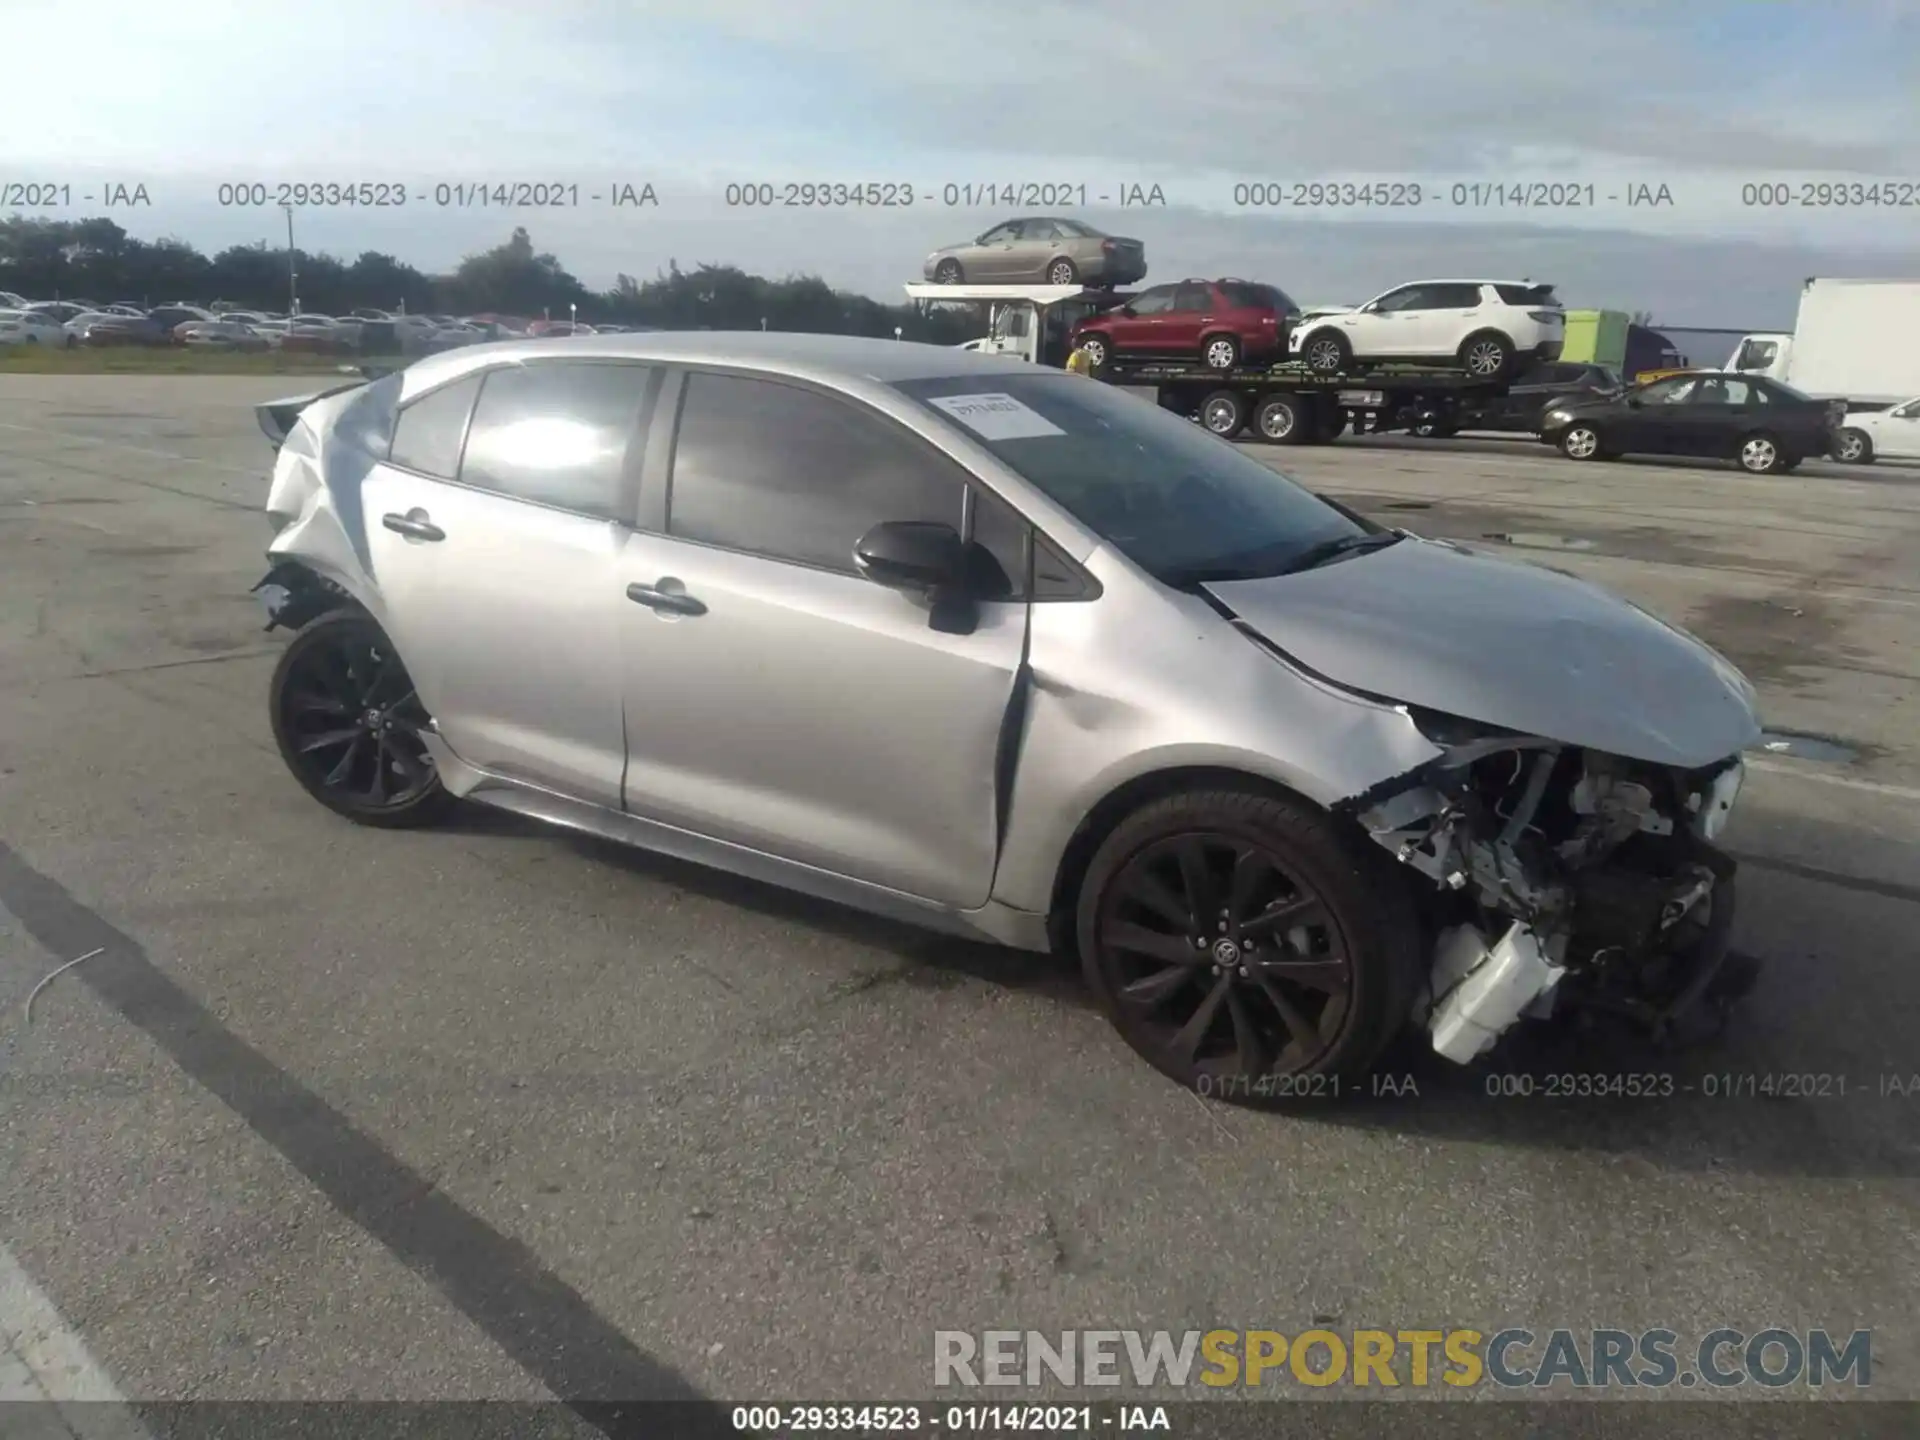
x=1560, y=878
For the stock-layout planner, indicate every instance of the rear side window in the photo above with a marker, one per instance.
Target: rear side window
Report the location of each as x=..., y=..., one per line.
x=793, y=474
x=556, y=433
x=428, y=432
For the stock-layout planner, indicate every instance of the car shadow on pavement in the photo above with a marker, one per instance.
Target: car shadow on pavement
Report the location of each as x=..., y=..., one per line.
x=1793, y=1085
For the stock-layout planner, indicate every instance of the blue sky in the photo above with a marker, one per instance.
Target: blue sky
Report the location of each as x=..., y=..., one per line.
x=1702, y=97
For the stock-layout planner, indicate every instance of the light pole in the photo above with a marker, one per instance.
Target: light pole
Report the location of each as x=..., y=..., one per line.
x=293, y=269
x=573, y=317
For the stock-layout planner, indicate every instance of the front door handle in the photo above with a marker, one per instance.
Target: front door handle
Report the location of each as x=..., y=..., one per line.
x=668, y=601
x=414, y=525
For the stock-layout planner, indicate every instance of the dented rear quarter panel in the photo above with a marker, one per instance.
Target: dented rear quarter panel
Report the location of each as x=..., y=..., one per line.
x=314, y=503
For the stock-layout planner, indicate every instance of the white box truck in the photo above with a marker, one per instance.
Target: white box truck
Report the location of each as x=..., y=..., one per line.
x=1854, y=340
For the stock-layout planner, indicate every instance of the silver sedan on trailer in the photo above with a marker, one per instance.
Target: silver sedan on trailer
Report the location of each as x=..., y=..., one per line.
x=1010, y=653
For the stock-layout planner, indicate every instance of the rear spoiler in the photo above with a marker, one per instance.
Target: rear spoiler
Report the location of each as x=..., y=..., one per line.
x=278, y=417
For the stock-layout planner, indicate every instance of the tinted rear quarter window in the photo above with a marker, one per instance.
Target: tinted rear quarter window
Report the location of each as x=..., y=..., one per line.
x=793, y=474
x=428, y=433
x=556, y=433
x=1526, y=294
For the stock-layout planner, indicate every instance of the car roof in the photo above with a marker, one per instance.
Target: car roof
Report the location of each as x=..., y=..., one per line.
x=829, y=359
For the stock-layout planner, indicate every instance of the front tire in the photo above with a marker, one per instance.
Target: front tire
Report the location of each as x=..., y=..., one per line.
x=1242, y=943
x=1580, y=442
x=1062, y=272
x=348, y=724
x=947, y=272
x=1099, y=352
x=1855, y=447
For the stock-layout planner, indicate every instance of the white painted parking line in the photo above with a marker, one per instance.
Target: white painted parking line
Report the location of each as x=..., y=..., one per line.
x=43, y=1360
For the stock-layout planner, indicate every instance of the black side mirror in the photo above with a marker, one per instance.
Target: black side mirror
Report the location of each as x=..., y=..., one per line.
x=913, y=555
x=926, y=559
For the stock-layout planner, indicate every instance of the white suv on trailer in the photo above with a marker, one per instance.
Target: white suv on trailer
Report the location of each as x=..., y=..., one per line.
x=1487, y=327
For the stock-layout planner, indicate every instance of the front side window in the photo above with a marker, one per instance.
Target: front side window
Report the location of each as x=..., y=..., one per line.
x=428, y=432
x=1675, y=390
x=1407, y=297
x=555, y=433
x=793, y=474
x=1182, y=504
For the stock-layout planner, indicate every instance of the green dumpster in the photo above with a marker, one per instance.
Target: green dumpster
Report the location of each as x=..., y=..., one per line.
x=1596, y=337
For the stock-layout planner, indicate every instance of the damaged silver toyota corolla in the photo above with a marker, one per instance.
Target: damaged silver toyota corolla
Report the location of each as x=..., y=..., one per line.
x=1011, y=653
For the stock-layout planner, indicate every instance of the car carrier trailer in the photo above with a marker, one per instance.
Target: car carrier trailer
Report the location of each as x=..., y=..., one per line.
x=1283, y=403
x=1288, y=404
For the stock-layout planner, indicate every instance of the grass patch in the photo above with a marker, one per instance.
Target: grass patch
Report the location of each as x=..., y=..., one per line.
x=171, y=360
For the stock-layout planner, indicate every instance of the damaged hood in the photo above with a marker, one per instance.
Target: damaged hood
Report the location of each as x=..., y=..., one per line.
x=1507, y=644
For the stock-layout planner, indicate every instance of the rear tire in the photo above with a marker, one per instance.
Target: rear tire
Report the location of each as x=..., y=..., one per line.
x=1855, y=447
x=1224, y=413
x=1486, y=356
x=347, y=723
x=1099, y=351
x=1282, y=420
x=1244, y=945
x=1760, y=454
x=1220, y=352
x=1326, y=352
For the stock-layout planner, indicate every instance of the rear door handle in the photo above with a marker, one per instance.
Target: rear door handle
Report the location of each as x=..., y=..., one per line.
x=668, y=601
x=414, y=525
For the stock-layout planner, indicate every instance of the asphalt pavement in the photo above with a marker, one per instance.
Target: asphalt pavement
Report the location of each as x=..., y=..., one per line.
x=495, y=1112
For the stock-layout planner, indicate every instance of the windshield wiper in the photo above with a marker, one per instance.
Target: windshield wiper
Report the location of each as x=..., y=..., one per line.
x=1328, y=551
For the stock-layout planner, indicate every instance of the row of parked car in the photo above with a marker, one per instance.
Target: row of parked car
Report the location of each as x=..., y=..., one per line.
x=69, y=323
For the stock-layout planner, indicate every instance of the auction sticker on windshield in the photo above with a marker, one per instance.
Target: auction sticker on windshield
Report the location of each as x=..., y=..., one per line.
x=996, y=416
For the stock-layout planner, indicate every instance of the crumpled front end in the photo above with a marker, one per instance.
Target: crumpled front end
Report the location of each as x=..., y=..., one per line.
x=1560, y=876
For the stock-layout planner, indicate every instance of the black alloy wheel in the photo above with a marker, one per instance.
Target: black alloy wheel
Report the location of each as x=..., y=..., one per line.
x=1239, y=942
x=349, y=724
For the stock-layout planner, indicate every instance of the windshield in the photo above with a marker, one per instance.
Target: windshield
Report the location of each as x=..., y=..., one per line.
x=1180, y=503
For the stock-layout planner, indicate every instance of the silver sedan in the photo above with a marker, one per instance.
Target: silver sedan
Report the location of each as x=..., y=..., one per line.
x=1013, y=654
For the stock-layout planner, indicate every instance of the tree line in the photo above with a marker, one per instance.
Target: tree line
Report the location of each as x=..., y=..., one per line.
x=46, y=259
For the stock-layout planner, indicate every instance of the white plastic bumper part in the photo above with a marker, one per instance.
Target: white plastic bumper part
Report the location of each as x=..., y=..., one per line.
x=1500, y=985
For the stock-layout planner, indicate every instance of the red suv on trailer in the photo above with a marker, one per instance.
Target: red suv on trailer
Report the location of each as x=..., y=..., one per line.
x=1218, y=322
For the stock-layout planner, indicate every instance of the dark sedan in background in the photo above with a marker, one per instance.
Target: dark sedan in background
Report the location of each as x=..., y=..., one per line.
x=1041, y=250
x=1523, y=409
x=1765, y=426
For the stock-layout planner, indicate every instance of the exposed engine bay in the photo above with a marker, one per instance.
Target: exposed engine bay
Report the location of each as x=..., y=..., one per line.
x=1561, y=877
